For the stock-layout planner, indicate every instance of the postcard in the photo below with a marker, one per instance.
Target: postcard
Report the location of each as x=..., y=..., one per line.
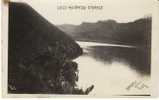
x=79, y=48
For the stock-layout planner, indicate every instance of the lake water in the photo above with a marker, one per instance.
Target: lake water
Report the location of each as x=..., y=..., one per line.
x=111, y=68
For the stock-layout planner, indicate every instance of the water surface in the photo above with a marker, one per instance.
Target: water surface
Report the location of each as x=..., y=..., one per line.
x=111, y=68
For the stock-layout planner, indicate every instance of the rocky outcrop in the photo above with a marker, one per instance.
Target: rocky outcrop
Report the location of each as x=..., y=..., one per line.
x=40, y=55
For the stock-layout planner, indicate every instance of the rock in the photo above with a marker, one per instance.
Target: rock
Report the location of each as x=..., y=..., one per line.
x=39, y=54
x=30, y=35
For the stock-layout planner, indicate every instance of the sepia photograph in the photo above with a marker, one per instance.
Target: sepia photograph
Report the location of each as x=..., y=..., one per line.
x=94, y=48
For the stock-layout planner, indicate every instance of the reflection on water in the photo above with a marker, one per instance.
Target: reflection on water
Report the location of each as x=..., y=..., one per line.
x=137, y=58
x=86, y=44
x=111, y=69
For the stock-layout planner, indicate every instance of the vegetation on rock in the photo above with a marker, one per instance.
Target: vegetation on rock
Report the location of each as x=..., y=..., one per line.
x=40, y=55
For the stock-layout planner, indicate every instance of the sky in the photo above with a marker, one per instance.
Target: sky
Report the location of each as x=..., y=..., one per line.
x=119, y=10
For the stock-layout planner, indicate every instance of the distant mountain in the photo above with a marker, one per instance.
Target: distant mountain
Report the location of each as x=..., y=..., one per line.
x=110, y=31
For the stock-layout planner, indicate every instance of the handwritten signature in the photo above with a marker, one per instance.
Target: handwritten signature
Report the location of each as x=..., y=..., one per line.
x=137, y=84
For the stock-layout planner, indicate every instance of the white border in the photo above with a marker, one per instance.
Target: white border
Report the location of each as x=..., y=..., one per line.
x=4, y=47
x=155, y=50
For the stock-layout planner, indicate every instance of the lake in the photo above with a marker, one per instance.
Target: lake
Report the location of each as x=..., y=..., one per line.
x=111, y=68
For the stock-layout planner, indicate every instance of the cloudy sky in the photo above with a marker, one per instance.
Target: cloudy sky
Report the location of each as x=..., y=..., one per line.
x=119, y=10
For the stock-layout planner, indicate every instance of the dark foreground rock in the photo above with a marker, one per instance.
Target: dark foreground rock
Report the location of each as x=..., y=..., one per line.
x=40, y=55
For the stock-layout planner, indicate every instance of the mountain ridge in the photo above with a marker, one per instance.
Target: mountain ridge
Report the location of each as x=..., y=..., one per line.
x=137, y=32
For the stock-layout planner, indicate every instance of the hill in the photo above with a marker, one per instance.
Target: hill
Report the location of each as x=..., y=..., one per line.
x=39, y=55
x=109, y=31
